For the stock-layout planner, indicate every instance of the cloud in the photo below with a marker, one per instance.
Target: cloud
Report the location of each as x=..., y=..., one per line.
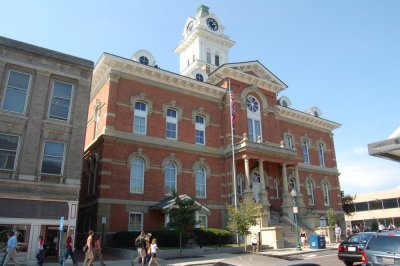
x=363, y=174
x=360, y=150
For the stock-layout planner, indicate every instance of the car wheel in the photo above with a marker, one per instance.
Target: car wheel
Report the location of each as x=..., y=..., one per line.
x=348, y=263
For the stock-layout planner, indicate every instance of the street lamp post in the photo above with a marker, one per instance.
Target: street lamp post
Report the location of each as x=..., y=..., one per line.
x=295, y=211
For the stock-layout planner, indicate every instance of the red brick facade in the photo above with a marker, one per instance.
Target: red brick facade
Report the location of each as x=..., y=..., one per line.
x=119, y=83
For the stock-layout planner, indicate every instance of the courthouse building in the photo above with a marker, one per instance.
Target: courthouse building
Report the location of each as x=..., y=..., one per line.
x=151, y=132
x=43, y=108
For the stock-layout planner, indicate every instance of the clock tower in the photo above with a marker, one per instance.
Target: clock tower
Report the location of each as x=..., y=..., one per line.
x=204, y=47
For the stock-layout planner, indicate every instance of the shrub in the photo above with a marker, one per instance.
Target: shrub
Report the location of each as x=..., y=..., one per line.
x=213, y=236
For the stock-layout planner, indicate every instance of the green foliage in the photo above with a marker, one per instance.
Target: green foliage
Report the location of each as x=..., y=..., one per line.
x=213, y=236
x=348, y=203
x=183, y=215
x=332, y=219
x=247, y=214
x=374, y=226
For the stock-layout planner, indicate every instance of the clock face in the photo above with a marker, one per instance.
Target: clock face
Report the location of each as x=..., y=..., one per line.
x=189, y=27
x=212, y=24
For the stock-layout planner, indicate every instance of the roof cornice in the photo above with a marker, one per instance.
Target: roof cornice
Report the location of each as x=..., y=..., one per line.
x=306, y=118
x=226, y=71
x=110, y=63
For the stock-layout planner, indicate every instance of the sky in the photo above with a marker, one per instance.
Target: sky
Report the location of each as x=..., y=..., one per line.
x=339, y=55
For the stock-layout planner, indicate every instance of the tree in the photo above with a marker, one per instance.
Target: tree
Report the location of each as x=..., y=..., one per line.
x=332, y=220
x=247, y=214
x=182, y=215
x=348, y=203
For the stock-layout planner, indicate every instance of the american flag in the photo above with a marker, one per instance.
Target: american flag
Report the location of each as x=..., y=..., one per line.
x=232, y=103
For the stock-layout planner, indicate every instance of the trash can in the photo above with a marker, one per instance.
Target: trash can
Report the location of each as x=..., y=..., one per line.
x=317, y=241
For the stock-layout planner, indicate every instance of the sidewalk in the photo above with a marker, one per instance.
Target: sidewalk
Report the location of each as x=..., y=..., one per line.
x=208, y=258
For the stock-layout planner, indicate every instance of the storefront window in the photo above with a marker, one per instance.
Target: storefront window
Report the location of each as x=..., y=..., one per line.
x=23, y=238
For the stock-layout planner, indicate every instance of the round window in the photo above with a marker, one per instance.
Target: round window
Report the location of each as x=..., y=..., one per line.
x=144, y=60
x=252, y=104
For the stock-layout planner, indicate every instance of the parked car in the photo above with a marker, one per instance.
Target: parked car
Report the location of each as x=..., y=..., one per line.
x=383, y=248
x=349, y=251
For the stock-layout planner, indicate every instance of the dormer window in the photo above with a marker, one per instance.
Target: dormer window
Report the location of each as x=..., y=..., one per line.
x=199, y=77
x=217, y=60
x=144, y=60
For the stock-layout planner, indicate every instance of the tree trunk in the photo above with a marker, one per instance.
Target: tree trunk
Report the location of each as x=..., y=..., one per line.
x=245, y=242
x=180, y=243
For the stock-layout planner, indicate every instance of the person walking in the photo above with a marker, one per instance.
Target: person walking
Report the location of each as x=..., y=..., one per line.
x=12, y=245
x=154, y=249
x=254, y=243
x=4, y=249
x=97, y=249
x=40, y=249
x=89, y=255
x=140, y=244
x=69, y=249
x=303, y=237
x=348, y=231
x=338, y=233
x=148, y=250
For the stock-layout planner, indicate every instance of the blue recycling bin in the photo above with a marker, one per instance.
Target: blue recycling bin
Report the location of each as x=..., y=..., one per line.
x=317, y=241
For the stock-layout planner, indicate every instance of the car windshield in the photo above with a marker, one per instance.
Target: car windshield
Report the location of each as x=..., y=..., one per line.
x=360, y=238
x=385, y=243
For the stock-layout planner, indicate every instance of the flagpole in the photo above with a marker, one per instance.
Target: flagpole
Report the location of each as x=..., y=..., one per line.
x=232, y=145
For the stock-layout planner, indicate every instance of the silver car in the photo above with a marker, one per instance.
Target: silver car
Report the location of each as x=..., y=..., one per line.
x=383, y=248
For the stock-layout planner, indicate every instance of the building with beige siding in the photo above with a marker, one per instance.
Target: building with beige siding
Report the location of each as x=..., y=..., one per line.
x=43, y=108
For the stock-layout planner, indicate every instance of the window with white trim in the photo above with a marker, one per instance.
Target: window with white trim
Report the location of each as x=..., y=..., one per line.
x=135, y=221
x=292, y=184
x=209, y=57
x=276, y=189
x=203, y=221
x=288, y=141
x=321, y=154
x=253, y=118
x=170, y=175
x=172, y=124
x=53, y=158
x=310, y=192
x=325, y=193
x=201, y=182
x=61, y=101
x=96, y=118
x=8, y=151
x=137, y=176
x=140, y=118
x=16, y=92
x=200, y=130
x=306, y=155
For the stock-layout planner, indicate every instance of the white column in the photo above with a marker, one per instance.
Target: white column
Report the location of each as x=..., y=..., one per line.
x=247, y=172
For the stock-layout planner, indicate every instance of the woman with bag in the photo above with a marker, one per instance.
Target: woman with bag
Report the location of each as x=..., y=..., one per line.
x=89, y=255
x=39, y=255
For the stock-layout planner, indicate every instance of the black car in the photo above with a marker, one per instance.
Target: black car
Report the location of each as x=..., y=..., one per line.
x=349, y=251
x=383, y=248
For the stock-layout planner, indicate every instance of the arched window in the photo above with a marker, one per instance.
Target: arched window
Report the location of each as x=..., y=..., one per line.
x=325, y=193
x=170, y=179
x=144, y=60
x=137, y=176
x=310, y=192
x=321, y=154
x=276, y=189
x=306, y=155
x=140, y=118
x=253, y=118
x=200, y=182
x=239, y=184
x=288, y=142
x=172, y=124
x=292, y=184
x=199, y=77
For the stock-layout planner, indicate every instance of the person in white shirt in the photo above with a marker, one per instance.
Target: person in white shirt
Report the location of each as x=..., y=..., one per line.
x=338, y=233
x=254, y=243
x=154, y=249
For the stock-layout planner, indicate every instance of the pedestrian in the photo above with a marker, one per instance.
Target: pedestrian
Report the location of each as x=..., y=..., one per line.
x=154, y=249
x=69, y=249
x=338, y=233
x=97, y=249
x=348, y=231
x=140, y=243
x=4, y=249
x=381, y=227
x=12, y=245
x=254, y=243
x=89, y=255
x=40, y=249
x=391, y=226
x=148, y=250
x=303, y=237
